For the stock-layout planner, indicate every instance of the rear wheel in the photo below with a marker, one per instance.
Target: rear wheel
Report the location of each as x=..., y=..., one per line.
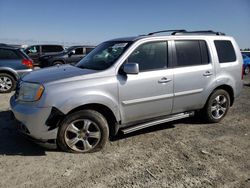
x=7, y=83
x=217, y=106
x=83, y=132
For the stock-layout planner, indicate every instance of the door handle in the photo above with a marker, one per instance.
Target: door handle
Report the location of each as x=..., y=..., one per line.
x=207, y=73
x=164, y=80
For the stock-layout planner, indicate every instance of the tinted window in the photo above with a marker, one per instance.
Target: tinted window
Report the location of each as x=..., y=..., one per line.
x=78, y=51
x=8, y=54
x=150, y=56
x=190, y=53
x=51, y=48
x=225, y=51
x=58, y=48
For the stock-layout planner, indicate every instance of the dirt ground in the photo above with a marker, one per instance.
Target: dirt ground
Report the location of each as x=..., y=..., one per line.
x=185, y=153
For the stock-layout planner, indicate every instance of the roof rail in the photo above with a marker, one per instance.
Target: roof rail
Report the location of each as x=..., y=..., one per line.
x=165, y=31
x=198, y=32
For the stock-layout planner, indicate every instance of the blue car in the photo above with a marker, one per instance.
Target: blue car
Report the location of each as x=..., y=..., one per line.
x=246, y=64
x=13, y=64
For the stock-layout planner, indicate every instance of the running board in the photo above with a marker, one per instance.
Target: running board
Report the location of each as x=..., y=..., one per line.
x=152, y=123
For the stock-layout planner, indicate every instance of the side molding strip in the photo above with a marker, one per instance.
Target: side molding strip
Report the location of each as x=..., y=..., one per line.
x=147, y=99
x=188, y=92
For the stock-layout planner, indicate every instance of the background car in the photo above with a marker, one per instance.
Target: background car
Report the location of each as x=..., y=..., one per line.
x=246, y=63
x=36, y=51
x=13, y=64
x=71, y=55
x=246, y=52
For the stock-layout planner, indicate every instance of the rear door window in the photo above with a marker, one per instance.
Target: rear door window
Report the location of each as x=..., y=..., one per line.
x=8, y=54
x=225, y=51
x=191, y=53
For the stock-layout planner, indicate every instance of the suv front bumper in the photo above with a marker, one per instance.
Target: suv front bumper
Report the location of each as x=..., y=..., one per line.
x=32, y=122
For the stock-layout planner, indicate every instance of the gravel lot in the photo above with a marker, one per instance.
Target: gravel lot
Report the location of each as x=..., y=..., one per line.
x=185, y=153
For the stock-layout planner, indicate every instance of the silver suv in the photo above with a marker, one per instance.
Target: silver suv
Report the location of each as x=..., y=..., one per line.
x=128, y=84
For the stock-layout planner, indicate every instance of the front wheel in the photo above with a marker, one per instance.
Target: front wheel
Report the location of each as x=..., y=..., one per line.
x=217, y=106
x=83, y=132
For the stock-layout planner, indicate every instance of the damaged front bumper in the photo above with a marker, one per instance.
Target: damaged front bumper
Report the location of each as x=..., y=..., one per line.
x=36, y=123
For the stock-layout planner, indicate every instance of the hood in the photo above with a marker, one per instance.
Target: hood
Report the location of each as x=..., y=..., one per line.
x=55, y=73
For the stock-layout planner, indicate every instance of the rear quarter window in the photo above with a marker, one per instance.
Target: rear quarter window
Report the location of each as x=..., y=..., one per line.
x=9, y=54
x=225, y=51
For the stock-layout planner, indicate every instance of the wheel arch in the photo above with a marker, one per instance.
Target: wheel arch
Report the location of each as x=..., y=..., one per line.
x=228, y=89
x=58, y=60
x=105, y=111
x=10, y=72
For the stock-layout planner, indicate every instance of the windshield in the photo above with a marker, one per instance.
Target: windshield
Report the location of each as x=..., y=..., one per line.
x=68, y=49
x=104, y=55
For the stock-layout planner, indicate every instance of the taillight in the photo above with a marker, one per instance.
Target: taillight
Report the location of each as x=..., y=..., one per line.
x=28, y=63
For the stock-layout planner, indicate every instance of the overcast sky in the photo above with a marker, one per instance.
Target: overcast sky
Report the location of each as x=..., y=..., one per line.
x=91, y=22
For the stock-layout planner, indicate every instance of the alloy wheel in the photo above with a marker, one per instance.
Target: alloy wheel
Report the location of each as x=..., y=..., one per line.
x=82, y=135
x=219, y=106
x=5, y=83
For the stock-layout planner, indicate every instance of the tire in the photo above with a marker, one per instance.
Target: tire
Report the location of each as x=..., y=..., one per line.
x=7, y=83
x=246, y=70
x=84, y=131
x=217, y=106
x=57, y=63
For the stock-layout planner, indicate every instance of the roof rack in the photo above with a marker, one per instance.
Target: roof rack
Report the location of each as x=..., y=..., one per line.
x=198, y=32
x=165, y=31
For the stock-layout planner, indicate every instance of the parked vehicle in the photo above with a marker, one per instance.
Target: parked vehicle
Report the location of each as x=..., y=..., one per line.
x=36, y=51
x=246, y=64
x=71, y=55
x=13, y=64
x=128, y=84
x=246, y=52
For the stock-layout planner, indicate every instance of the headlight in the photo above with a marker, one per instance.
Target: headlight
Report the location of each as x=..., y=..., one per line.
x=30, y=92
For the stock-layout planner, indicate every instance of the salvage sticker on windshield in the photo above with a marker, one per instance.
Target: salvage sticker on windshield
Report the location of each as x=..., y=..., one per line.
x=120, y=45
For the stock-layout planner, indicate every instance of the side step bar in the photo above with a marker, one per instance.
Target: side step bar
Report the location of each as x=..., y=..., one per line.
x=159, y=121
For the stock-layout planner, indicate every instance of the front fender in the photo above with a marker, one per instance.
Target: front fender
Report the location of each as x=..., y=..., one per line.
x=91, y=98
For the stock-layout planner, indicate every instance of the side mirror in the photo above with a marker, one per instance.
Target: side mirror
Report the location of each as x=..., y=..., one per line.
x=71, y=53
x=131, y=68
